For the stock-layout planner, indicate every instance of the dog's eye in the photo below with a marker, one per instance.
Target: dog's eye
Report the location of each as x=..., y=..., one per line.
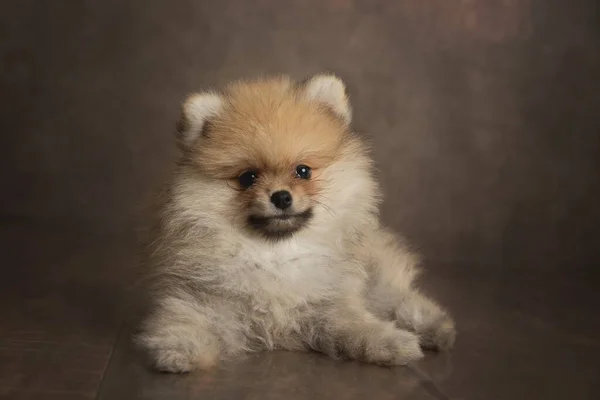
x=248, y=178
x=303, y=172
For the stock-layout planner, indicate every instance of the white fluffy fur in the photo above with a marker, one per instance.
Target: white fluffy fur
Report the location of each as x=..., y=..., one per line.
x=343, y=285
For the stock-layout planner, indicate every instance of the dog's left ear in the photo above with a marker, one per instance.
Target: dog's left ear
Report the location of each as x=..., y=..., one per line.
x=330, y=91
x=196, y=113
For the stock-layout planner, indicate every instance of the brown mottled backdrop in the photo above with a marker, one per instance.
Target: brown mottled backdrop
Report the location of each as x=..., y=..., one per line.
x=485, y=120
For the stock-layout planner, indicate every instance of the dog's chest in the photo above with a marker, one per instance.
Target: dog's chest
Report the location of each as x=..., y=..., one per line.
x=285, y=276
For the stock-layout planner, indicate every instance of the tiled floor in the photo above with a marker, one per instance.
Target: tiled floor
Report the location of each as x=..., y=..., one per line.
x=484, y=120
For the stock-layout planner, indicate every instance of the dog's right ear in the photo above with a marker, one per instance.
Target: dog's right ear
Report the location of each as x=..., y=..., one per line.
x=330, y=91
x=194, y=122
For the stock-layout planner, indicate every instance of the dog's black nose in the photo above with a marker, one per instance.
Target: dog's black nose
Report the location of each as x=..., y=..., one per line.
x=282, y=199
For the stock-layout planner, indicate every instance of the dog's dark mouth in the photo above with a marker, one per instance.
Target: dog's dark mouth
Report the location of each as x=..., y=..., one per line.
x=283, y=217
x=280, y=226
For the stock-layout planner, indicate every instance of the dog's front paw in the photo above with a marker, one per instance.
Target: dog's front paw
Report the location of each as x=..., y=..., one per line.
x=438, y=335
x=176, y=354
x=393, y=347
x=174, y=360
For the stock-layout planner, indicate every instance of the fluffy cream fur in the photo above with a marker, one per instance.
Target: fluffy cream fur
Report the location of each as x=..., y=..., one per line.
x=328, y=278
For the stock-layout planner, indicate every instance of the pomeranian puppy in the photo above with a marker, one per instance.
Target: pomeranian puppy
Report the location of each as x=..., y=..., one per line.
x=267, y=237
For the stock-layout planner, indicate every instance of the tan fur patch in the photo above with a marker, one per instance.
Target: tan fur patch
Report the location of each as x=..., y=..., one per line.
x=268, y=127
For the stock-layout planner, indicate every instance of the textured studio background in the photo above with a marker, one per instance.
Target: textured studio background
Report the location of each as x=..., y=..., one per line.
x=483, y=114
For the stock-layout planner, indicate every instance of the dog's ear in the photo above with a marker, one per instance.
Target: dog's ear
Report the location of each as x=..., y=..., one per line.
x=330, y=91
x=196, y=113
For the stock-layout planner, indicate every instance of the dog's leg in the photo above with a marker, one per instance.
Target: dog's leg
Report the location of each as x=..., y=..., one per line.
x=178, y=337
x=349, y=330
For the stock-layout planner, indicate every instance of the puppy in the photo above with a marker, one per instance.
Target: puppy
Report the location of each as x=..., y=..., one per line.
x=267, y=237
